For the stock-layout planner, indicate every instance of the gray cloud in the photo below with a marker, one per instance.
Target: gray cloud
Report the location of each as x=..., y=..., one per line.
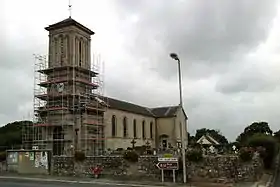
x=204, y=33
x=250, y=80
x=221, y=89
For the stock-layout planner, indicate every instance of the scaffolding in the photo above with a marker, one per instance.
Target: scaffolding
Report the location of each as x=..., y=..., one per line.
x=68, y=108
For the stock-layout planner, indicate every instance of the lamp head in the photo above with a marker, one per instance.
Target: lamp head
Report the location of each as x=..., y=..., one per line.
x=174, y=56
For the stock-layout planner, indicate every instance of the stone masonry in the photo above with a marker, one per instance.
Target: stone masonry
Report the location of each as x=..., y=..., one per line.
x=212, y=168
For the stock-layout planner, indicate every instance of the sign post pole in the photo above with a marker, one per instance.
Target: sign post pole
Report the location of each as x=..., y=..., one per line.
x=168, y=164
x=174, y=178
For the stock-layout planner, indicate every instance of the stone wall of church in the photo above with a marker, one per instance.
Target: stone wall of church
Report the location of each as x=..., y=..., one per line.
x=118, y=140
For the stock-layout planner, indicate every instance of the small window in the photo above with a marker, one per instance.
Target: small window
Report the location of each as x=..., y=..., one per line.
x=134, y=129
x=151, y=130
x=114, y=126
x=143, y=129
x=125, y=127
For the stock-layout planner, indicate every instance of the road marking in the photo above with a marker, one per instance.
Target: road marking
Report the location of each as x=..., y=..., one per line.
x=79, y=182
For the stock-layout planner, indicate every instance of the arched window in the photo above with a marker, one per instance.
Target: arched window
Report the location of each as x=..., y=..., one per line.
x=114, y=126
x=151, y=130
x=125, y=127
x=134, y=129
x=143, y=129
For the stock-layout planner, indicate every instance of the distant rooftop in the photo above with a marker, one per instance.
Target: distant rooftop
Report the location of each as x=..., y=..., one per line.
x=69, y=22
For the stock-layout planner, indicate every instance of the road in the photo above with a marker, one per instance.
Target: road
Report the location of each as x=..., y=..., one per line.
x=18, y=183
x=277, y=180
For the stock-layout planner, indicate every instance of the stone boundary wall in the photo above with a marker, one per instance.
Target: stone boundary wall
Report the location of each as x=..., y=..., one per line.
x=212, y=168
x=3, y=167
x=225, y=168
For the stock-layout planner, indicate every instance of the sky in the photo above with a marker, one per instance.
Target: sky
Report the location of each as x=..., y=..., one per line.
x=229, y=52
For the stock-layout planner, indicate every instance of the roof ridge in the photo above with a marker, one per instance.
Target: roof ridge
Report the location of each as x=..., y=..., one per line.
x=170, y=106
x=126, y=102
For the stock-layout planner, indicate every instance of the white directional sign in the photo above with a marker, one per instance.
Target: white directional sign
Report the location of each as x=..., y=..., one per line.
x=168, y=159
x=168, y=163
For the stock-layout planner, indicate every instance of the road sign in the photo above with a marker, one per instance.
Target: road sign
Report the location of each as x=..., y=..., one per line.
x=168, y=159
x=168, y=165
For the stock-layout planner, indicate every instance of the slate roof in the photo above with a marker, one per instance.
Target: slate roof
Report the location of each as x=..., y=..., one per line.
x=169, y=111
x=69, y=22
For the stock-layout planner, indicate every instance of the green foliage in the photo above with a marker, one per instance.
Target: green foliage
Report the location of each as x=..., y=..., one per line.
x=269, y=143
x=11, y=134
x=246, y=154
x=277, y=135
x=79, y=156
x=254, y=128
x=119, y=149
x=140, y=149
x=195, y=155
x=131, y=156
x=213, y=133
x=2, y=156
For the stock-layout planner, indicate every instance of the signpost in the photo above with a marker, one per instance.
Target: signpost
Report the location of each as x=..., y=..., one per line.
x=168, y=163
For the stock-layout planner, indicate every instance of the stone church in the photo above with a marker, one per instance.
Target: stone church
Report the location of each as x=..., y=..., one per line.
x=71, y=115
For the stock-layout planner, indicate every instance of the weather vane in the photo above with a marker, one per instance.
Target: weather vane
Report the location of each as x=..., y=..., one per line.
x=70, y=9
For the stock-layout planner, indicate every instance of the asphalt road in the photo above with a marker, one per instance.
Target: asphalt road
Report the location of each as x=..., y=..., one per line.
x=277, y=180
x=10, y=183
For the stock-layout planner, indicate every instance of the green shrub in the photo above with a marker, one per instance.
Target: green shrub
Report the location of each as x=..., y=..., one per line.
x=246, y=154
x=149, y=152
x=269, y=144
x=195, y=155
x=79, y=156
x=140, y=149
x=119, y=149
x=131, y=156
x=2, y=156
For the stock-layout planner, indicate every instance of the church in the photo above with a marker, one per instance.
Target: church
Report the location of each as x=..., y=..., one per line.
x=72, y=115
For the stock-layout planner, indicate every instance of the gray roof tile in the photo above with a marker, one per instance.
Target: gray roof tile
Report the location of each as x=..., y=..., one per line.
x=169, y=111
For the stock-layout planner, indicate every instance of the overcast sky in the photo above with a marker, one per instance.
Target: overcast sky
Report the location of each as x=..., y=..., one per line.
x=229, y=51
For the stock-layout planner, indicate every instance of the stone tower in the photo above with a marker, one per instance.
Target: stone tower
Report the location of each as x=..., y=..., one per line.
x=72, y=117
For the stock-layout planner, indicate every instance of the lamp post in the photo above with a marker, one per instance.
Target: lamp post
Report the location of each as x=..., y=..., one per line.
x=175, y=57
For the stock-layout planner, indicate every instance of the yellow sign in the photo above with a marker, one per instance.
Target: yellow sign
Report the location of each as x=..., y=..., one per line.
x=167, y=155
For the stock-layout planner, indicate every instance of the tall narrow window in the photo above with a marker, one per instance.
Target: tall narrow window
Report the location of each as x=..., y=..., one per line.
x=134, y=129
x=125, y=127
x=61, y=50
x=143, y=129
x=80, y=52
x=151, y=130
x=114, y=126
x=181, y=129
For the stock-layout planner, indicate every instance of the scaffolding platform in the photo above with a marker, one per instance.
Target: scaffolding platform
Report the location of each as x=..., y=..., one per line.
x=68, y=110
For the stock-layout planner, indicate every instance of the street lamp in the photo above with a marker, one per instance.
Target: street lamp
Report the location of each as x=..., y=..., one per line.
x=175, y=57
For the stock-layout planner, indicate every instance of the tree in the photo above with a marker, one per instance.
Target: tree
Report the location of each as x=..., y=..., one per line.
x=277, y=135
x=216, y=134
x=191, y=139
x=268, y=142
x=254, y=128
x=11, y=135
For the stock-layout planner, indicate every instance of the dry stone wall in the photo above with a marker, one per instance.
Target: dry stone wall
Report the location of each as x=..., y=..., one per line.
x=212, y=168
x=225, y=168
